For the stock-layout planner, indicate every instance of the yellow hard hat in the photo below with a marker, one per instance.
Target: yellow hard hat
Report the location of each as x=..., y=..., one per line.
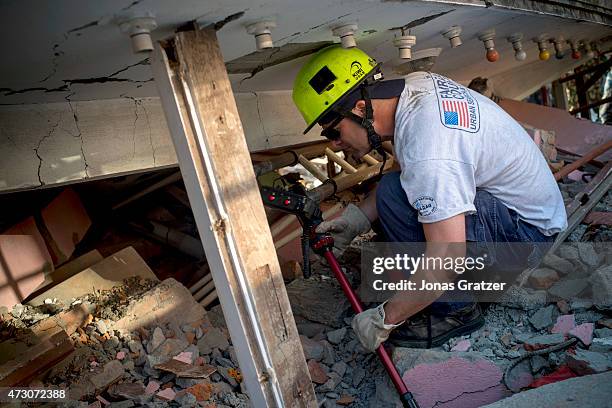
x=330, y=74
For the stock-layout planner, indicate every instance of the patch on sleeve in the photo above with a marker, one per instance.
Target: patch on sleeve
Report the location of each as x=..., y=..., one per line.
x=458, y=108
x=425, y=205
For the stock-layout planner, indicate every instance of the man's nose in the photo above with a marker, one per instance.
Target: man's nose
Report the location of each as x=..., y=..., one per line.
x=337, y=143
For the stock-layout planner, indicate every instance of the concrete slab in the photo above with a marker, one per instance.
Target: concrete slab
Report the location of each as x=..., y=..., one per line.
x=592, y=391
x=441, y=379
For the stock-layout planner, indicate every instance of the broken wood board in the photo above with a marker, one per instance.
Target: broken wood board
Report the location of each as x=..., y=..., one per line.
x=184, y=370
x=23, y=361
x=103, y=275
x=66, y=271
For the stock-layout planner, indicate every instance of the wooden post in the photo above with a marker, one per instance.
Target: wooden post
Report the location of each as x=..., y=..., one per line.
x=209, y=140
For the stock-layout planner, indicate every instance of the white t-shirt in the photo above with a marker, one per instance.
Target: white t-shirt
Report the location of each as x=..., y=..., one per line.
x=450, y=140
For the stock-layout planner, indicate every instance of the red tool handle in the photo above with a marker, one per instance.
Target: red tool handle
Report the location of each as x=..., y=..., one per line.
x=406, y=397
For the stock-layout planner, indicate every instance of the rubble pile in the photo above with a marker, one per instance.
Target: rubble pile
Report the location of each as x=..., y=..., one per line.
x=124, y=356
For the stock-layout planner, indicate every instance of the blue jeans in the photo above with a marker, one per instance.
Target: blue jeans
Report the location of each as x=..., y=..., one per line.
x=493, y=224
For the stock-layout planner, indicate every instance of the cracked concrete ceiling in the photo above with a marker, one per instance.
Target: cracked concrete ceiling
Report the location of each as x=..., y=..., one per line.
x=74, y=50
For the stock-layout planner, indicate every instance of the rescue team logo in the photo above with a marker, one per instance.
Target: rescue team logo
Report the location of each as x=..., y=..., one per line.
x=356, y=70
x=425, y=205
x=458, y=108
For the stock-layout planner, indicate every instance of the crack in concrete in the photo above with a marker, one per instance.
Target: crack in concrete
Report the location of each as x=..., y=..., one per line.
x=463, y=393
x=263, y=126
x=132, y=4
x=80, y=134
x=40, y=159
x=150, y=132
x=146, y=61
x=134, y=125
x=420, y=21
x=219, y=24
x=261, y=66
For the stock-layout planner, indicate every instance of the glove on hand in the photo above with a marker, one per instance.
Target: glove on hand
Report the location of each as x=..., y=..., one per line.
x=370, y=327
x=345, y=228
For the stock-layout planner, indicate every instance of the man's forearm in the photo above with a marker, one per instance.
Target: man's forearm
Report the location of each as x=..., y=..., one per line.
x=368, y=206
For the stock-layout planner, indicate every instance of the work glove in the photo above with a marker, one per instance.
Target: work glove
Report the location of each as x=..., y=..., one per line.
x=370, y=327
x=345, y=228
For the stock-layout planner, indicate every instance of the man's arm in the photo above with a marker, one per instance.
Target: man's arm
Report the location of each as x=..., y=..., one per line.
x=451, y=230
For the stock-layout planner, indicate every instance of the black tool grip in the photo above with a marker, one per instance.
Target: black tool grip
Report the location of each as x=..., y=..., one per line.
x=408, y=400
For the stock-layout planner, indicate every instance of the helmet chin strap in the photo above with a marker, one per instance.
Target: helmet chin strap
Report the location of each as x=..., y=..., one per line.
x=367, y=122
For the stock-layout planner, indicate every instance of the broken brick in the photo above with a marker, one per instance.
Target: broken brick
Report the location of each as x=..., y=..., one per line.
x=462, y=345
x=152, y=386
x=564, y=324
x=317, y=375
x=202, y=391
x=584, y=333
x=345, y=400
x=167, y=394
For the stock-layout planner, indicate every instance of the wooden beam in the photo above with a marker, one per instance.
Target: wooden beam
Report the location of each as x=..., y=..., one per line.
x=581, y=206
x=312, y=168
x=214, y=160
x=592, y=154
x=591, y=105
x=580, y=74
x=346, y=166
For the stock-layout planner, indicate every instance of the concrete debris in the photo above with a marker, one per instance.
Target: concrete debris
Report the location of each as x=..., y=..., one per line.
x=603, y=345
x=543, y=318
x=449, y=379
x=588, y=391
x=561, y=265
x=213, y=339
x=601, y=282
x=313, y=350
x=150, y=364
x=336, y=336
x=543, y=278
x=584, y=362
x=156, y=340
x=520, y=377
x=568, y=289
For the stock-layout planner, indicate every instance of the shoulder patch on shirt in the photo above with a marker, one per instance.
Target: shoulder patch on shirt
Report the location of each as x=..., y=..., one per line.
x=458, y=108
x=425, y=205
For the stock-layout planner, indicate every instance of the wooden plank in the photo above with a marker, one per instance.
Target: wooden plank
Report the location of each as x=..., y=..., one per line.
x=104, y=275
x=576, y=218
x=592, y=154
x=45, y=353
x=220, y=182
x=313, y=169
x=346, y=166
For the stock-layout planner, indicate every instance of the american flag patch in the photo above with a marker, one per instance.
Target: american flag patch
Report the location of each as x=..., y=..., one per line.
x=455, y=113
x=458, y=108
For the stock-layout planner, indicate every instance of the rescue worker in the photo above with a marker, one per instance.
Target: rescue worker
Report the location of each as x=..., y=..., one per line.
x=469, y=172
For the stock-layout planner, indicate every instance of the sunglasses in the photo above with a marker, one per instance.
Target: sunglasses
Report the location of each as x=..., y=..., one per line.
x=330, y=132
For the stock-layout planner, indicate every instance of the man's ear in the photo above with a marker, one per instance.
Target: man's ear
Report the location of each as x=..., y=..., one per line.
x=359, y=107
